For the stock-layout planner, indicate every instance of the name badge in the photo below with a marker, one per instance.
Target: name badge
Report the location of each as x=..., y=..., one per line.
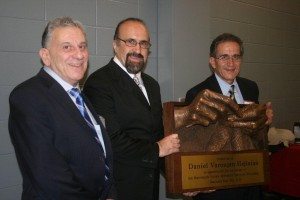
x=97, y=127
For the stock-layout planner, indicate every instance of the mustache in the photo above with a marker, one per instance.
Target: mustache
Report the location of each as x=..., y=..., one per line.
x=138, y=55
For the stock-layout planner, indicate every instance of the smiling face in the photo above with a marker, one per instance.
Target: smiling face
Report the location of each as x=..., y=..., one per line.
x=226, y=69
x=133, y=58
x=67, y=54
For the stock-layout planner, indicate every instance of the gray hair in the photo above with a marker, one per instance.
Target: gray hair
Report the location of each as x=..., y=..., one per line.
x=59, y=23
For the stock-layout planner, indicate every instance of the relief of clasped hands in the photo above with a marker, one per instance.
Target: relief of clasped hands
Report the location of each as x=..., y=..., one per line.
x=233, y=124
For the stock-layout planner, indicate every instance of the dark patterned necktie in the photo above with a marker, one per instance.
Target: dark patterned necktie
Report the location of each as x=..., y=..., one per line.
x=231, y=93
x=80, y=105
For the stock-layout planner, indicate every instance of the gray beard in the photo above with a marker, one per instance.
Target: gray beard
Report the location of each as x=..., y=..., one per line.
x=134, y=68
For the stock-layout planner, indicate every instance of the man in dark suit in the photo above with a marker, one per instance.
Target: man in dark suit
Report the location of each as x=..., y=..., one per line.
x=130, y=102
x=226, y=52
x=248, y=89
x=61, y=146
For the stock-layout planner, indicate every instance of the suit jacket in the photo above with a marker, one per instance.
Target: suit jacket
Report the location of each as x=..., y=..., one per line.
x=133, y=125
x=249, y=89
x=250, y=92
x=57, y=154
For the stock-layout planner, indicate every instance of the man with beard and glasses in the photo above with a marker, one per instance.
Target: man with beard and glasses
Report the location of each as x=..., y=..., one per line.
x=130, y=102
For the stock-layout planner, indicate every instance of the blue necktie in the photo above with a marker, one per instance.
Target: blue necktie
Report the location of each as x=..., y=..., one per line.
x=80, y=105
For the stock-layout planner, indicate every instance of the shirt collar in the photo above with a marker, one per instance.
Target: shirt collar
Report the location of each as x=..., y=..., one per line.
x=116, y=60
x=67, y=86
x=225, y=87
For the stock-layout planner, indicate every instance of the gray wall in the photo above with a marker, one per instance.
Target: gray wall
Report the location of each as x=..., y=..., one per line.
x=181, y=31
x=183, y=34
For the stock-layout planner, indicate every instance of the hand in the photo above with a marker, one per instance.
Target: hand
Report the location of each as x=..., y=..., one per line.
x=251, y=117
x=168, y=145
x=206, y=108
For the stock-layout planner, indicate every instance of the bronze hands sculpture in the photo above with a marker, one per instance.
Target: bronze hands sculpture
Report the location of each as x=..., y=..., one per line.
x=214, y=122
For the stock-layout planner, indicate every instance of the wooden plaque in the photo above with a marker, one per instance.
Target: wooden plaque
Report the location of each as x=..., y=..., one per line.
x=196, y=168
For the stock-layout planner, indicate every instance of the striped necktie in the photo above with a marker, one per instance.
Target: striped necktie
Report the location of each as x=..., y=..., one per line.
x=80, y=105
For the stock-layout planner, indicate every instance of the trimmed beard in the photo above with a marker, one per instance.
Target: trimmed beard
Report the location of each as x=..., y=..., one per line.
x=134, y=68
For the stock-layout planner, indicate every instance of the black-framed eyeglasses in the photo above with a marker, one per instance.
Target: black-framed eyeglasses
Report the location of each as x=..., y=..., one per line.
x=226, y=58
x=132, y=43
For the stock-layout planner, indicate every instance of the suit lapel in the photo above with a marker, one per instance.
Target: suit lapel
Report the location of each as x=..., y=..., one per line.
x=139, y=93
x=96, y=117
x=149, y=90
x=61, y=97
x=214, y=85
x=247, y=94
x=124, y=81
x=105, y=137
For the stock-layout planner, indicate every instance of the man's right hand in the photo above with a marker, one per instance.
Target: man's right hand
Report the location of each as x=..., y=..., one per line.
x=168, y=145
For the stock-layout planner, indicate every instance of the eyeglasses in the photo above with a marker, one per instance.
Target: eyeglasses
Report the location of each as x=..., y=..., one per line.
x=132, y=43
x=226, y=58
